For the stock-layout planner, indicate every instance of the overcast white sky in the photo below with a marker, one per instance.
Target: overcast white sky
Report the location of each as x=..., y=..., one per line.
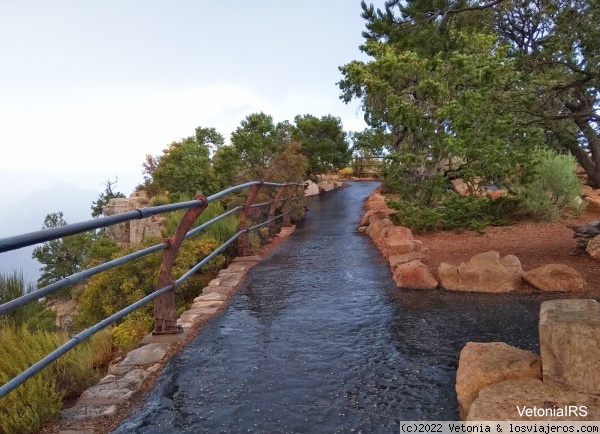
x=96, y=85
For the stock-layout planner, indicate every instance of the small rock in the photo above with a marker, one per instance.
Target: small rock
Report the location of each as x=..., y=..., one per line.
x=150, y=353
x=593, y=247
x=210, y=297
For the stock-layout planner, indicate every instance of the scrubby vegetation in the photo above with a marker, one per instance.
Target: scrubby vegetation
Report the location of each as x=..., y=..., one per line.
x=26, y=336
x=491, y=93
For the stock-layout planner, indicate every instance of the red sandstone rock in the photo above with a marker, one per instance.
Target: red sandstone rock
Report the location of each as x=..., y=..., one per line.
x=484, y=363
x=484, y=272
x=570, y=343
x=502, y=401
x=414, y=275
x=555, y=277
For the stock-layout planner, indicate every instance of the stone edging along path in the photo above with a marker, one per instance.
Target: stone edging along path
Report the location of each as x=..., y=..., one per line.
x=495, y=379
x=484, y=272
x=102, y=406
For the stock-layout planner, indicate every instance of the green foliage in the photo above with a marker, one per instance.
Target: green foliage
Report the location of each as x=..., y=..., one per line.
x=455, y=211
x=128, y=334
x=227, y=164
x=439, y=93
x=256, y=141
x=117, y=288
x=34, y=315
x=62, y=257
x=555, y=188
x=371, y=141
x=39, y=400
x=220, y=231
x=323, y=142
x=185, y=166
x=105, y=196
x=484, y=82
x=160, y=200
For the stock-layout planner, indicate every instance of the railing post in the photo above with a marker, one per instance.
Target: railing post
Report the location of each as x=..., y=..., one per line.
x=165, y=321
x=243, y=239
x=272, y=224
x=286, y=218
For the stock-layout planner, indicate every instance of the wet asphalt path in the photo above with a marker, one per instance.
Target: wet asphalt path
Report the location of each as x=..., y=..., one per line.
x=319, y=340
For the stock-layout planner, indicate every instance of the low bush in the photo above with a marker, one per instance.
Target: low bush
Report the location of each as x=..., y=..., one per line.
x=554, y=189
x=455, y=211
x=131, y=331
x=117, y=288
x=220, y=231
x=35, y=315
x=39, y=399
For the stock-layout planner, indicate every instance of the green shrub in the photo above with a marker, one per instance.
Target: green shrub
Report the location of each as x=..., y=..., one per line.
x=220, y=231
x=131, y=331
x=117, y=288
x=555, y=189
x=455, y=211
x=161, y=199
x=39, y=399
x=35, y=315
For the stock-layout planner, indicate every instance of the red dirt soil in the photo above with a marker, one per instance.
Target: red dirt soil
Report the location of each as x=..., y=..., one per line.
x=534, y=243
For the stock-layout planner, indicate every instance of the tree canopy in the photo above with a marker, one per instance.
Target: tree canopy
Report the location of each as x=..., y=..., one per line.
x=185, y=166
x=323, y=142
x=471, y=87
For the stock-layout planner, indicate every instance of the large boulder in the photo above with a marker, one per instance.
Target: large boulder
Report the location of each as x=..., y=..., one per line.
x=134, y=231
x=530, y=399
x=484, y=363
x=310, y=189
x=326, y=185
x=588, y=191
x=485, y=272
x=414, y=275
x=570, y=343
x=555, y=277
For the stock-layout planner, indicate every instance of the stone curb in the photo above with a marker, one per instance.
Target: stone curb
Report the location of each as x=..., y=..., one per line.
x=126, y=378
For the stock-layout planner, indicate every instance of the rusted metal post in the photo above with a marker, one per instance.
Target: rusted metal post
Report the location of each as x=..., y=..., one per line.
x=288, y=205
x=272, y=224
x=243, y=239
x=164, y=306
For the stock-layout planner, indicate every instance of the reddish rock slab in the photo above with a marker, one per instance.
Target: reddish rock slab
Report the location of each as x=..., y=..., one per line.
x=396, y=260
x=520, y=399
x=555, y=277
x=484, y=363
x=414, y=275
x=485, y=272
x=570, y=343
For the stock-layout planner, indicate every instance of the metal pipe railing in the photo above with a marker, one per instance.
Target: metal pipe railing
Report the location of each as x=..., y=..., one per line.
x=19, y=241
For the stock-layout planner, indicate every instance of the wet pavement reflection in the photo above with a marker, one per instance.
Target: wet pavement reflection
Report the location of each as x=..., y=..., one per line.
x=319, y=340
